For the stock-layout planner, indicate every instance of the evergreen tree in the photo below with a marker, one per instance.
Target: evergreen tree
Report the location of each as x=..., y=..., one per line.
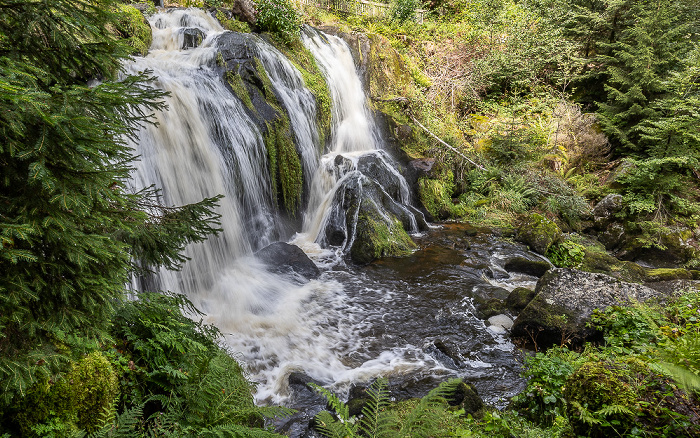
x=638, y=66
x=71, y=233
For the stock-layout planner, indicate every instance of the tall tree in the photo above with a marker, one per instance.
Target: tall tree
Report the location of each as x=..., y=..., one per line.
x=70, y=230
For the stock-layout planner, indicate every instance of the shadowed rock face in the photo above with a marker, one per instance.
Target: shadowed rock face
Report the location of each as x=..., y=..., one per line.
x=565, y=301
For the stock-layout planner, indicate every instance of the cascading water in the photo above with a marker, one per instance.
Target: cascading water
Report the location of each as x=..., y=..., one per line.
x=351, y=324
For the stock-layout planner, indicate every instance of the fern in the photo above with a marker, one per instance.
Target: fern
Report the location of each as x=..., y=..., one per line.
x=378, y=421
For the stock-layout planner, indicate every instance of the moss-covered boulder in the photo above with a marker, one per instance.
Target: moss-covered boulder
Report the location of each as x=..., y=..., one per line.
x=668, y=274
x=538, y=232
x=599, y=261
x=565, y=300
x=133, y=27
x=670, y=249
x=376, y=237
x=519, y=298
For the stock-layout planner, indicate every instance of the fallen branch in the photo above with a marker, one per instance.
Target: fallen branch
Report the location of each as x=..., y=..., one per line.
x=444, y=143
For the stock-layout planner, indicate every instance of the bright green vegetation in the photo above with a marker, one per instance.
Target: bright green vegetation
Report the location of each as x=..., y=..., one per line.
x=285, y=164
x=279, y=18
x=133, y=29
x=232, y=24
x=314, y=80
x=376, y=238
x=236, y=83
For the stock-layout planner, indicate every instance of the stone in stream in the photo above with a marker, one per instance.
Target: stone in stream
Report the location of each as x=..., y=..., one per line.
x=192, y=38
x=565, y=301
x=536, y=268
x=283, y=258
x=539, y=233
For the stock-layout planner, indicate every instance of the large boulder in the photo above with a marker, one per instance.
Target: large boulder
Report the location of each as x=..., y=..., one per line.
x=565, y=300
x=283, y=258
x=370, y=214
x=539, y=233
x=523, y=265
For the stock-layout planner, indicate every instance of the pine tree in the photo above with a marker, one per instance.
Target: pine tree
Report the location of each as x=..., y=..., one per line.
x=70, y=231
x=638, y=66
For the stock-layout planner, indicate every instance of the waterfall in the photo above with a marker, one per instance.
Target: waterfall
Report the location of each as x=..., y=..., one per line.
x=208, y=142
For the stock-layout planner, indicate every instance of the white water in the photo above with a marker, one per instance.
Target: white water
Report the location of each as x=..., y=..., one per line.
x=206, y=144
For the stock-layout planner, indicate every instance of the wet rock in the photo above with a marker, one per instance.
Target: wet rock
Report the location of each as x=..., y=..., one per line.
x=422, y=166
x=489, y=307
x=283, y=258
x=604, y=211
x=565, y=301
x=539, y=233
x=519, y=298
x=238, y=58
x=192, y=37
x=536, y=268
x=357, y=399
x=371, y=210
x=502, y=321
x=613, y=236
x=444, y=353
x=467, y=397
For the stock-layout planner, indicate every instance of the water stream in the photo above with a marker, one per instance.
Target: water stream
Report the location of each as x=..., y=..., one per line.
x=410, y=319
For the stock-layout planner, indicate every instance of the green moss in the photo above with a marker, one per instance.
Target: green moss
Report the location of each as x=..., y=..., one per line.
x=664, y=274
x=435, y=195
x=375, y=237
x=539, y=233
x=232, y=24
x=134, y=29
x=285, y=165
x=314, y=80
x=236, y=83
x=77, y=400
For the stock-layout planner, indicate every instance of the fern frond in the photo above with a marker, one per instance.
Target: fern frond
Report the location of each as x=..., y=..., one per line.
x=683, y=376
x=584, y=414
x=340, y=408
x=614, y=409
x=422, y=420
x=376, y=420
x=329, y=427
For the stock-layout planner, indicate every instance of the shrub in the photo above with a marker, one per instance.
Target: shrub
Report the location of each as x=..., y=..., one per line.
x=404, y=10
x=279, y=18
x=567, y=254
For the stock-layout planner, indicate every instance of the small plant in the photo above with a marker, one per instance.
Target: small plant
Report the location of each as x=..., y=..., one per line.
x=567, y=254
x=404, y=10
x=279, y=18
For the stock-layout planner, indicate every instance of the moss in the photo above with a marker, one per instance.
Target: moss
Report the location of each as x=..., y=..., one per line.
x=77, y=400
x=539, y=233
x=315, y=81
x=668, y=274
x=232, y=23
x=435, y=195
x=593, y=387
x=285, y=166
x=134, y=29
x=375, y=237
x=236, y=83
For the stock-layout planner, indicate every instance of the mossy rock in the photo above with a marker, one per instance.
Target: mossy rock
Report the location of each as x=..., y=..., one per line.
x=522, y=265
x=519, y=298
x=375, y=237
x=668, y=274
x=539, y=233
x=594, y=387
x=77, y=400
x=133, y=27
x=602, y=262
x=466, y=397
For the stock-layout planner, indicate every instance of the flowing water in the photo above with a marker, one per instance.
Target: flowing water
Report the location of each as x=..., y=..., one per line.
x=410, y=319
